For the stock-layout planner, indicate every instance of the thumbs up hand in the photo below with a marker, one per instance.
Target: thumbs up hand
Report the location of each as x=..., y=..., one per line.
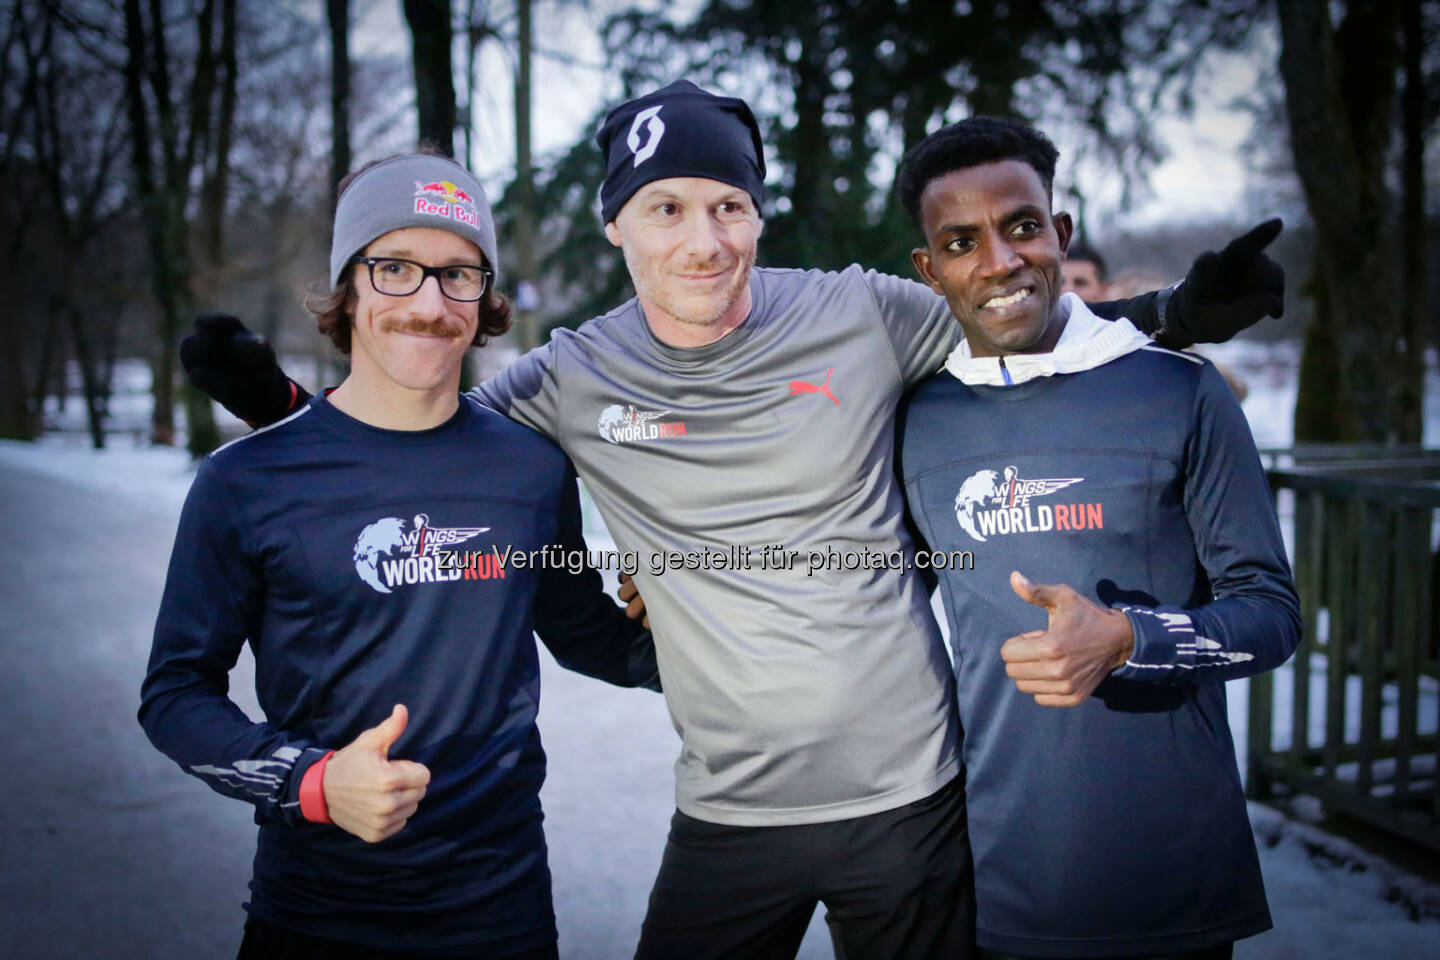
x=1064, y=663
x=367, y=793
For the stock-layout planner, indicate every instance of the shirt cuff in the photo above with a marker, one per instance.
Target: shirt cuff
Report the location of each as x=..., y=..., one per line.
x=312, y=792
x=1164, y=642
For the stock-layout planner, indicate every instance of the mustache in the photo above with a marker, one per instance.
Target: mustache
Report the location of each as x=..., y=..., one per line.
x=423, y=327
x=707, y=266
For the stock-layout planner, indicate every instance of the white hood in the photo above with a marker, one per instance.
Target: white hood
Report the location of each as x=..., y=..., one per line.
x=1085, y=343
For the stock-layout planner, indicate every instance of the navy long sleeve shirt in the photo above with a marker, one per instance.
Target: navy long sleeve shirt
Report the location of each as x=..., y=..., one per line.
x=319, y=541
x=1117, y=827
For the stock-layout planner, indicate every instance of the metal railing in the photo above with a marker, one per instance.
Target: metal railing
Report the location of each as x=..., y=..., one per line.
x=1357, y=725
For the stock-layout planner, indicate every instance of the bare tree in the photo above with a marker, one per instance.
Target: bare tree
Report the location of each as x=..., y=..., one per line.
x=338, y=15
x=71, y=128
x=179, y=137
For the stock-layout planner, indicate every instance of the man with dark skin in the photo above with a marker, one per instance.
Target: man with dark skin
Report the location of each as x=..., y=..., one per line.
x=1123, y=474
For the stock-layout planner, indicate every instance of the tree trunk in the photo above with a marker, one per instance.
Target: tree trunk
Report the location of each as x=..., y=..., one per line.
x=1339, y=93
x=809, y=214
x=162, y=420
x=163, y=206
x=339, y=15
x=1318, y=417
x=430, y=34
x=524, y=211
x=1410, y=401
x=19, y=415
x=48, y=350
x=89, y=380
x=111, y=343
x=218, y=182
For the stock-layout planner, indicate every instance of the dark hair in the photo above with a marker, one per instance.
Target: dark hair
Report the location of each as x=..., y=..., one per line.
x=970, y=143
x=333, y=308
x=1083, y=251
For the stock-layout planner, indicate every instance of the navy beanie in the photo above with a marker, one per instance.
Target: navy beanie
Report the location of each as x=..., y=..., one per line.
x=679, y=131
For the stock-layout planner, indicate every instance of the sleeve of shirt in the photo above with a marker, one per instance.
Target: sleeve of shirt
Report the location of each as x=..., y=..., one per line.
x=919, y=544
x=213, y=601
x=527, y=390
x=1143, y=311
x=578, y=622
x=918, y=322
x=1253, y=623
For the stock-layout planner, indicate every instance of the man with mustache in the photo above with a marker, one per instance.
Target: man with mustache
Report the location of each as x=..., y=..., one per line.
x=1124, y=476
x=810, y=688
x=351, y=544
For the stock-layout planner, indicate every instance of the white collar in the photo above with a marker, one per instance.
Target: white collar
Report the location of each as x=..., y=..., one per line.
x=1086, y=342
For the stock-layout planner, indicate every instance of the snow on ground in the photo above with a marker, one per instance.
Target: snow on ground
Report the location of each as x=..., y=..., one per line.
x=147, y=473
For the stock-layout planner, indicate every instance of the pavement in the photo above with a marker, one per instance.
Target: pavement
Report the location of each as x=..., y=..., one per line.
x=108, y=850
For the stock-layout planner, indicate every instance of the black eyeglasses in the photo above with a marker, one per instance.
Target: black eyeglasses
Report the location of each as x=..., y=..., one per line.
x=395, y=277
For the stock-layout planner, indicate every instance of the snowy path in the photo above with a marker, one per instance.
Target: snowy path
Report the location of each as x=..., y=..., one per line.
x=110, y=851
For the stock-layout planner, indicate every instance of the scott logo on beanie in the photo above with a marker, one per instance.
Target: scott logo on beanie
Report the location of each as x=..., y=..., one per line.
x=654, y=126
x=714, y=138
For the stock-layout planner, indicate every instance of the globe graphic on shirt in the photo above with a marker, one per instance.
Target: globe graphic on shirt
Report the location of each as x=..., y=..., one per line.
x=381, y=539
x=974, y=493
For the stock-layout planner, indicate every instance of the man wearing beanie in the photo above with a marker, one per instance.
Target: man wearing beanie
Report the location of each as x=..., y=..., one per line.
x=396, y=774
x=734, y=406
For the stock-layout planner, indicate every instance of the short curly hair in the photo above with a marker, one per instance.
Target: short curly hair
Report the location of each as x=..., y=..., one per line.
x=334, y=309
x=970, y=143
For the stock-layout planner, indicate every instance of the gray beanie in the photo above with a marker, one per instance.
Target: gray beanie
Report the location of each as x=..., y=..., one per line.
x=414, y=190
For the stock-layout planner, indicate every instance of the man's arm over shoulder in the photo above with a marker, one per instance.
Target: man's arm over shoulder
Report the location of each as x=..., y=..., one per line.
x=528, y=390
x=213, y=600
x=918, y=322
x=1253, y=623
x=923, y=331
x=579, y=623
x=1223, y=293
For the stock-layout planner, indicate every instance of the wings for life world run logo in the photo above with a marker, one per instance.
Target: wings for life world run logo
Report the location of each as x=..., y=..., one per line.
x=441, y=198
x=624, y=423
x=391, y=553
x=990, y=504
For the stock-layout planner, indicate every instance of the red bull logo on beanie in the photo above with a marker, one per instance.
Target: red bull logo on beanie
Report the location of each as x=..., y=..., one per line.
x=441, y=198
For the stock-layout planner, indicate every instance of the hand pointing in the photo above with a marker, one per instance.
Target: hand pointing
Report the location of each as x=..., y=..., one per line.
x=367, y=793
x=1226, y=292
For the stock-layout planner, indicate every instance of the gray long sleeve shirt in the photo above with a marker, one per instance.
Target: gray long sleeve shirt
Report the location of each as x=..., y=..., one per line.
x=802, y=693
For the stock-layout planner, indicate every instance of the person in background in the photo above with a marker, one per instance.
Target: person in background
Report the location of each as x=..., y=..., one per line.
x=1084, y=274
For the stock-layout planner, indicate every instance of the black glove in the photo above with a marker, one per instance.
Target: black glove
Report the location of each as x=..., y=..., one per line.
x=1224, y=292
x=237, y=368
